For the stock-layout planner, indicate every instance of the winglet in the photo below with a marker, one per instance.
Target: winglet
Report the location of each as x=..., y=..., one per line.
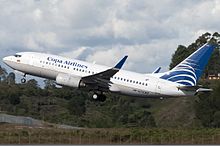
x=157, y=70
x=121, y=62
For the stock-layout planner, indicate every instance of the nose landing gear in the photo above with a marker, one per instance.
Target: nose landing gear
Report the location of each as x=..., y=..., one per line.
x=23, y=80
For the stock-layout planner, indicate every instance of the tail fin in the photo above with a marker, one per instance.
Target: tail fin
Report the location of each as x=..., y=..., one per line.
x=190, y=70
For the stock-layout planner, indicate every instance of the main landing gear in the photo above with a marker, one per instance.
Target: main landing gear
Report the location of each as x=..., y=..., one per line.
x=23, y=80
x=98, y=97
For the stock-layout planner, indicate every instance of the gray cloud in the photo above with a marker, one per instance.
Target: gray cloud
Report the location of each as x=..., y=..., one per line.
x=104, y=31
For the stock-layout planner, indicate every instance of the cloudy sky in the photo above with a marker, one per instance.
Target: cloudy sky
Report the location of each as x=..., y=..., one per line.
x=106, y=30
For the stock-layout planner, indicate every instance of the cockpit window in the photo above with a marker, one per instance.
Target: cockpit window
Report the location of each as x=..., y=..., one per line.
x=16, y=55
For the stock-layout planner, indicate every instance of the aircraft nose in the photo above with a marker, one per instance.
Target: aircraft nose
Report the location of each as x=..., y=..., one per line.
x=6, y=59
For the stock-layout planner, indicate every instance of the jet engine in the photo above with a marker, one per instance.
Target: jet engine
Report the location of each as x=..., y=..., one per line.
x=69, y=80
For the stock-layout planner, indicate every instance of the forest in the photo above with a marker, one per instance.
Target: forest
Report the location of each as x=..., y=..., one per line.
x=75, y=107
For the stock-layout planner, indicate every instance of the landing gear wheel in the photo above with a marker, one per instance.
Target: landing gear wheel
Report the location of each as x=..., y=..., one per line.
x=98, y=97
x=95, y=96
x=23, y=80
x=102, y=98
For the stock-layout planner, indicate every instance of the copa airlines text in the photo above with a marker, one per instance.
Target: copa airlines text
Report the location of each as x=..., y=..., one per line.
x=99, y=79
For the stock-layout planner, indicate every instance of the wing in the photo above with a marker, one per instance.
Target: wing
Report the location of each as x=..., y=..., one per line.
x=101, y=81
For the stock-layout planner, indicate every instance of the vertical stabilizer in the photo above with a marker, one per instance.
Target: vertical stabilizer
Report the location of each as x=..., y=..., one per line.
x=190, y=70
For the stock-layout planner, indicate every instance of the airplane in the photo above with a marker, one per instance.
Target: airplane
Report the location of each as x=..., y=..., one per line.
x=98, y=79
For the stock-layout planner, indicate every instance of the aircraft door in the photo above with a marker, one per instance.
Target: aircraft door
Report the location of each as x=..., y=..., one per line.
x=158, y=87
x=31, y=60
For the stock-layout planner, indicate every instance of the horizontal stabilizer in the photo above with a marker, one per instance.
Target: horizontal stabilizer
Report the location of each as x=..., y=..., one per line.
x=194, y=88
x=189, y=88
x=204, y=90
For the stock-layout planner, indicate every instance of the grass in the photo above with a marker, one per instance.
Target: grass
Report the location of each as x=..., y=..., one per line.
x=17, y=134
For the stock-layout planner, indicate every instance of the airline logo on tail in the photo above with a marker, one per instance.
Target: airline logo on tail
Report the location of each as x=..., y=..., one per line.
x=190, y=70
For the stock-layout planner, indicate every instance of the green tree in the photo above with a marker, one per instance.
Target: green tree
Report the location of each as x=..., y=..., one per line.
x=14, y=98
x=11, y=78
x=31, y=88
x=49, y=84
x=181, y=53
x=203, y=109
x=3, y=74
x=207, y=107
x=76, y=105
x=142, y=118
x=216, y=119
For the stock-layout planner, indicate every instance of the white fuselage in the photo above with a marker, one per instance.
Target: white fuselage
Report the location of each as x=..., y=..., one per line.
x=123, y=82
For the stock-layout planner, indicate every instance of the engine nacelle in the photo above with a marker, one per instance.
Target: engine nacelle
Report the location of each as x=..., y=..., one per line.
x=69, y=80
